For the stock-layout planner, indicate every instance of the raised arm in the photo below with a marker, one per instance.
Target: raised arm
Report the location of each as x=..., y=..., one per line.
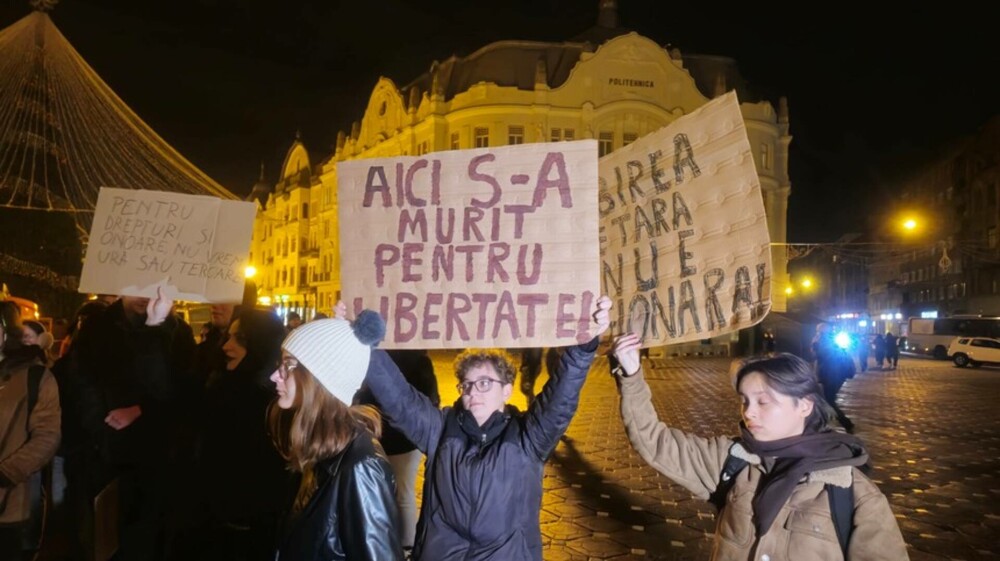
x=406, y=409
x=553, y=409
x=691, y=461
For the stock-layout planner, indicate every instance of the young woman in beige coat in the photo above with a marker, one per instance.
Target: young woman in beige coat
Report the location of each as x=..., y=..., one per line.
x=777, y=508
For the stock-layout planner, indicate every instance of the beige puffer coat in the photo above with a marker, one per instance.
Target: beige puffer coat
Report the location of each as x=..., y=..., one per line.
x=803, y=529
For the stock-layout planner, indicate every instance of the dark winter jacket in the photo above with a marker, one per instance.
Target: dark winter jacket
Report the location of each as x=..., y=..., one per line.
x=353, y=513
x=117, y=362
x=482, y=485
x=243, y=476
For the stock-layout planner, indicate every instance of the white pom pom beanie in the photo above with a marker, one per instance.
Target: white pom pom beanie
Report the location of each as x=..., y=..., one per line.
x=337, y=351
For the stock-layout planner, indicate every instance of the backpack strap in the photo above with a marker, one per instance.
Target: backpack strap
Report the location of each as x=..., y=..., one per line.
x=842, y=511
x=732, y=466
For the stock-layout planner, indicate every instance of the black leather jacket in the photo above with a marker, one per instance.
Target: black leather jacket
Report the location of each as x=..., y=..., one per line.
x=353, y=513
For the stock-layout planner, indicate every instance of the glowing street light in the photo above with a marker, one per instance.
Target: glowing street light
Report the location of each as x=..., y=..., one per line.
x=807, y=283
x=788, y=291
x=250, y=271
x=909, y=224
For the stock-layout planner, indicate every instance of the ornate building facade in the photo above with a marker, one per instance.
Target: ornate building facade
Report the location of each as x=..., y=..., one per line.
x=607, y=84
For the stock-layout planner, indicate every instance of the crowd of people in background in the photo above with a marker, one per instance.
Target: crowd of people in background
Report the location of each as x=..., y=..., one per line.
x=292, y=440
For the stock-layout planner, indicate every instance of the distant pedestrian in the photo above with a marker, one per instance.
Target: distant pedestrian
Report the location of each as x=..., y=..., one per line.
x=833, y=368
x=531, y=368
x=864, y=345
x=891, y=350
x=792, y=469
x=769, y=342
x=293, y=320
x=879, y=350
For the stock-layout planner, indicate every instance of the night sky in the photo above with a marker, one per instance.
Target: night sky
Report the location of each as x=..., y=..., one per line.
x=229, y=82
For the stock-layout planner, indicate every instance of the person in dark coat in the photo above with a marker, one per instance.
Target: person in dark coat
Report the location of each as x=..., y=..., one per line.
x=123, y=368
x=879, y=350
x=418, y=370
x=345, y=505
x=485, y=459
x=242, y=479
x=891, y=350
x=833, y=368
x=769, y=341
x=864, y=346
x=531, y=367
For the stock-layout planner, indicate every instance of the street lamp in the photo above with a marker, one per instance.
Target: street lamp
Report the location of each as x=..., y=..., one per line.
x=807, y=283
x=250, y=271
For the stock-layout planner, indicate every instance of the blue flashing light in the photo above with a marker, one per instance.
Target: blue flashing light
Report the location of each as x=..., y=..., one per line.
x=863, y=323
x=843, y=340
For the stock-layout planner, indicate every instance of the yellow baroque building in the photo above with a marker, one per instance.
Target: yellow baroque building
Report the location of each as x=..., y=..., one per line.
x=608, y=84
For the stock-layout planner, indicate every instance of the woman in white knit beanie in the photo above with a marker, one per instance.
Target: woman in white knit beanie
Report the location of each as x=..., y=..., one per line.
x=345, y=504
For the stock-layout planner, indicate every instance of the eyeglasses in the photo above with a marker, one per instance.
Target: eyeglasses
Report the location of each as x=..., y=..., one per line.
x=482, y=385
x=286, y=366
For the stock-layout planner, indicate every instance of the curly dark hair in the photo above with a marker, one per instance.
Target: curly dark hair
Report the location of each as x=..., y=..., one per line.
x=497, y=358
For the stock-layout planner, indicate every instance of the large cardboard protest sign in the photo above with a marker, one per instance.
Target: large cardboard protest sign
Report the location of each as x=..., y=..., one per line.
x=474, y=248
x=193, y=244
x=684, y=242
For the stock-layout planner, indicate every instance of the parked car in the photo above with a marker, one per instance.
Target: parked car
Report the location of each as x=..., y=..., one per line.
x=974, y=351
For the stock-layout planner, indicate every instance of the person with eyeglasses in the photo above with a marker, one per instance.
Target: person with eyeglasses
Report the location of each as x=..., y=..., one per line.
x=345, y=503
x=485, y=459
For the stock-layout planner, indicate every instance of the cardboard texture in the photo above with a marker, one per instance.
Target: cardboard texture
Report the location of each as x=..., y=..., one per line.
x=195, y=246
x=685, y=250
x=473, y=248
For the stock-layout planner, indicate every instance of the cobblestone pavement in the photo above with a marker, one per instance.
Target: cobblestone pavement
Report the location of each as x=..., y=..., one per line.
x=932, y=430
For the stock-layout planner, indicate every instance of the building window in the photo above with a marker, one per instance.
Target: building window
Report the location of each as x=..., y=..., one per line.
x=454, y=141
x=991, y=237
x=569, y=134
x=305, y=210
x=604, y=143
x=765, y=156
x=556, y=134
x=482, y=136
x=515, y=135
x=629, y=138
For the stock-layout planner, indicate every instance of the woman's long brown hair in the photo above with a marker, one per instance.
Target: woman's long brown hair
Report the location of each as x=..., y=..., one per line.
x=318, y=426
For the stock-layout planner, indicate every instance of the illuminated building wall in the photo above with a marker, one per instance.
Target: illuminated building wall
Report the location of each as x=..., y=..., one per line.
x=608, y=84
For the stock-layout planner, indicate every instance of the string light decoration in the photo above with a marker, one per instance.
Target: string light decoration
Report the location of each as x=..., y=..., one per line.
x=14, y=266
x=64, y=133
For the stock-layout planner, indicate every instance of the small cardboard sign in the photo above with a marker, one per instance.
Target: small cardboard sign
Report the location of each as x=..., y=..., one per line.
x=195, y=245
x=685, y=250
x=474, y=248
